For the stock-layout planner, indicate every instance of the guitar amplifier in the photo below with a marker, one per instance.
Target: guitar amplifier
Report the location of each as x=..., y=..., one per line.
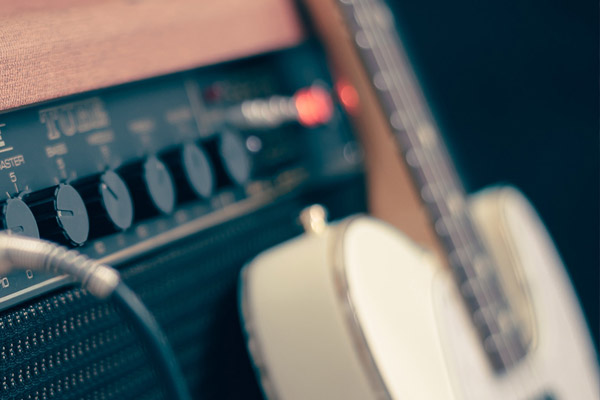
x=174, y=141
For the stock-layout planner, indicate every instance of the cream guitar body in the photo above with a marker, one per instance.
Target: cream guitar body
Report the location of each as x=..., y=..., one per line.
x=561, y=362
x=355, y=310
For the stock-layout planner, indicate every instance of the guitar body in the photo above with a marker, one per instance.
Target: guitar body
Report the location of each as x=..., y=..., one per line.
x=358, y=311
x=561, y=362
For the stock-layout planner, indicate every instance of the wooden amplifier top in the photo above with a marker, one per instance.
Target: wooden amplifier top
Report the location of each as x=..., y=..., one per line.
x=63, y=47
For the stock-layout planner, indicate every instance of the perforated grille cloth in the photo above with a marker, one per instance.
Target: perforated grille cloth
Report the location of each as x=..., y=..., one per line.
x=69, y=346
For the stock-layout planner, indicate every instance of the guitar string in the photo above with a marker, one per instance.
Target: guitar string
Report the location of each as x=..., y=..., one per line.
x=416, y=117
x=439, y=181
x=414, y=111
x=445, y=178
x=398, y=55
x=458, y=233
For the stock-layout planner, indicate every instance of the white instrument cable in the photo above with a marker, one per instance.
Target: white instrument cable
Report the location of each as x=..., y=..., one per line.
x=103, y=282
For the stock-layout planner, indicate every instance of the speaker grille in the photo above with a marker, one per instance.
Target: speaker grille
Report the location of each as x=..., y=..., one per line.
x=67, y=345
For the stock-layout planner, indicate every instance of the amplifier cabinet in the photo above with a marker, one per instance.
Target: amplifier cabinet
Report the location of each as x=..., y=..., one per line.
x=178, y=239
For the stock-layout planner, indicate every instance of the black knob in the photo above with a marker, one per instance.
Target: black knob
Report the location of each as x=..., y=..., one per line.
x=231, y=160
x=61, y=214
x=239, y=157
x=108, y=202
x=151, y=187
x=17, y=218
x=235, y=156
x=192, y=170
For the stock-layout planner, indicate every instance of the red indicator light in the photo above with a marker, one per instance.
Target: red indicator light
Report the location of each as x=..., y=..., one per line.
x=348, y=96
x=314, y=106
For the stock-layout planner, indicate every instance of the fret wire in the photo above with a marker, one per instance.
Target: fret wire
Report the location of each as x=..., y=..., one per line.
x=417, y=115
x=437, y=202
x=500, y=306
x=415, y=142
x=441, y=184
x=455, y=187
x=409, y=87
x=449, y=174
x=416, y=145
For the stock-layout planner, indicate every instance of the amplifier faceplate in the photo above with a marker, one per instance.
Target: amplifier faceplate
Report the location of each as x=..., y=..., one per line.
x=70, y=140
x=54, y=49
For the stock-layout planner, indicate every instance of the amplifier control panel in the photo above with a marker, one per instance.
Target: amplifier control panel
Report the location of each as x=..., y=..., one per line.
x=125, y=170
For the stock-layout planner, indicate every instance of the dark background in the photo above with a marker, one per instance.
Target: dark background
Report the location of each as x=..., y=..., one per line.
x=514, y=85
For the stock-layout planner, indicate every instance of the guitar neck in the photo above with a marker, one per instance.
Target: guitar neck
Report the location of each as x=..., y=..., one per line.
x=371, y=26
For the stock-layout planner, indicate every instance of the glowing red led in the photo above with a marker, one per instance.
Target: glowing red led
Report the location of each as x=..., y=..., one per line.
x=314, y=106
x=348, y=96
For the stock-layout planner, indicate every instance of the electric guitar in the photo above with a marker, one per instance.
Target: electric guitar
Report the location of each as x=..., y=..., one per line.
x=356, y=310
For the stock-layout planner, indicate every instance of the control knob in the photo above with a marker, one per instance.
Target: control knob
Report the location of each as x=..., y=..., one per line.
x=61, y=214
x=192, y=170
x=151, y=186
x=239, y=157
x=18, y=219
x=230, y=157
x=108, y=202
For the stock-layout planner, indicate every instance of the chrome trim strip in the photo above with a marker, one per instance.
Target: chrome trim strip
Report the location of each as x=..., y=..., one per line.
x=17, y=297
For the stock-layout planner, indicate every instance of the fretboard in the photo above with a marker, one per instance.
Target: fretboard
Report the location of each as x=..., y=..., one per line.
x=371, y=24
